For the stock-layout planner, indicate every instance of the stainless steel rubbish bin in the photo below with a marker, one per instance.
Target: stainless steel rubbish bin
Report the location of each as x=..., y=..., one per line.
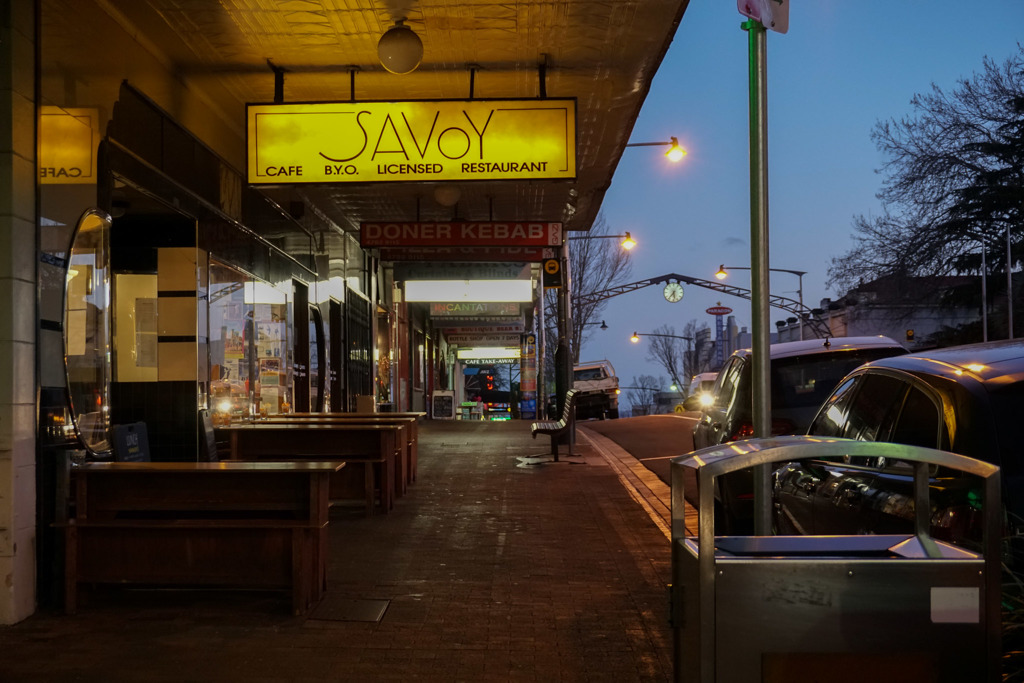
x=835, y=608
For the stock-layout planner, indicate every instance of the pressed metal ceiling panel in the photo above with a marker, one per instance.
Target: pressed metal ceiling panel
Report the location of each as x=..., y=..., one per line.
x=604, y=53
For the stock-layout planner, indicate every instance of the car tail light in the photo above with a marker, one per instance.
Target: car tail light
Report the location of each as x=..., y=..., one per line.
x=745, y=430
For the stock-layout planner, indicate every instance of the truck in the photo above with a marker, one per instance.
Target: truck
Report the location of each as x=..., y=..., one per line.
x=599, y=390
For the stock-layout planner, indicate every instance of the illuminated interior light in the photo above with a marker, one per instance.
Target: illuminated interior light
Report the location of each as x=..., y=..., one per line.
x=480, y=352
x=475, y=291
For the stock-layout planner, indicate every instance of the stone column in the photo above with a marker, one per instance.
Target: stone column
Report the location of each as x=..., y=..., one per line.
x=18, y=259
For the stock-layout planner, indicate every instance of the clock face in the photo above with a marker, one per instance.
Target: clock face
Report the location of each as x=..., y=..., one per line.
x=673, y=292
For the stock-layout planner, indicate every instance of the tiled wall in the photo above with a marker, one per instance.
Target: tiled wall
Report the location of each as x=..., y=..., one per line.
x=18, y=258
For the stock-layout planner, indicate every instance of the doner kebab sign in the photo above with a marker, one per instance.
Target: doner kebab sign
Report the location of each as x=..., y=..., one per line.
x=431, y=140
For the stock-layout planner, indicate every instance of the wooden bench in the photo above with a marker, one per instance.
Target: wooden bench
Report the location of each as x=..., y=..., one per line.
x=230, y=524
x=563, y=426
x=374, y=448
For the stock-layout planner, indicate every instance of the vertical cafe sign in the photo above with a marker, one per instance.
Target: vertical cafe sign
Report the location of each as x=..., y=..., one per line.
x=430, y=140
x=68, y=140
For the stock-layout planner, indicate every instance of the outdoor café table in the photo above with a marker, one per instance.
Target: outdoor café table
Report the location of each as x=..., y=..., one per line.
x=406, y=474
x=224, y=524
x=373, y=446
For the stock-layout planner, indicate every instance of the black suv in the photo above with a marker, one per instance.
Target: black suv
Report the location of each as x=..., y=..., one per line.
x=802, y=375
x=965, y=399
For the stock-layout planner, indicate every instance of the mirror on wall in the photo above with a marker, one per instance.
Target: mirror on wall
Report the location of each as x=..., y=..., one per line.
x=87, y=324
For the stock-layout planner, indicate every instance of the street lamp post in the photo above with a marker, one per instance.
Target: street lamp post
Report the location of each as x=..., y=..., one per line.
x=674, y=153
x=723, y=273
x=627, y=242
x=689, y=347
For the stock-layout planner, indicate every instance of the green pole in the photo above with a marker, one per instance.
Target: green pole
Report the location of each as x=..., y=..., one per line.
x=759, y=270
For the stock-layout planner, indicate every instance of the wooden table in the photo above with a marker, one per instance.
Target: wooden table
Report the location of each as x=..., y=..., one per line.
x=231, y=524
x=408, y=421
x=374, y=447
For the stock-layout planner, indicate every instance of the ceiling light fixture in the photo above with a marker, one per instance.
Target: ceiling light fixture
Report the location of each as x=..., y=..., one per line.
x=400, y=49
x=447, y=195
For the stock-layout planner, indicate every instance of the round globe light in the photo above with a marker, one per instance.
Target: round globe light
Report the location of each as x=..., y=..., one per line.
x=400, y=49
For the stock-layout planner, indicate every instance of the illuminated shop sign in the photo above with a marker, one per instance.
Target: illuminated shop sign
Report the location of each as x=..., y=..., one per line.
x=68, y=140
x=478, y=352
x=463, y=234
x=434, y=140
x=476, y=254
x=498, y=322
x=483, y=339
x=490, y=329
x=471, y=308
x=462, y=271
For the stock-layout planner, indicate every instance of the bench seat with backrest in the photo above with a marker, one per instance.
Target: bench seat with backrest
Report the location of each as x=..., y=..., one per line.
x=561, y=427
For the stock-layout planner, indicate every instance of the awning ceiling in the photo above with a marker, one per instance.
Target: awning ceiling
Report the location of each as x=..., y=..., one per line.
x=604, y=53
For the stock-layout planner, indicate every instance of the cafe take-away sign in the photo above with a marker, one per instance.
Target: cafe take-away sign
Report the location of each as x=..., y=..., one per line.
x=429, y=140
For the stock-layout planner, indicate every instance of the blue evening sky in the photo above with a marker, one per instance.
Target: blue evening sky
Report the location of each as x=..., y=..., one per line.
x=843, y=66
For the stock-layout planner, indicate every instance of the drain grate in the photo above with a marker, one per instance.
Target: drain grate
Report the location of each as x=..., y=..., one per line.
x=350, y=609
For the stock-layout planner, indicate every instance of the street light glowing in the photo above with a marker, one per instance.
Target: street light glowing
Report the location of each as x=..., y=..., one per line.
x=628, y=243
x=721, y=274
x=635, y=338
x=675, y=152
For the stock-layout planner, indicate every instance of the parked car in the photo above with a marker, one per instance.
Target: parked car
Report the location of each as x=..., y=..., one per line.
x=802, y=374
x=964, y=399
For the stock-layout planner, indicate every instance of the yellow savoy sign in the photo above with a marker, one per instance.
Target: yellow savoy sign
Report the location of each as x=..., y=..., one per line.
x=411, y=141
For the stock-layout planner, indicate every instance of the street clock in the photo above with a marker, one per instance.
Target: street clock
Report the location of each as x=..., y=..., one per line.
x=673, y=292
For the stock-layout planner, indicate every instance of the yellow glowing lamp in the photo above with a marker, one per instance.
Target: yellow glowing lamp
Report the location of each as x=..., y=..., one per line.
x=675, y=152
x=721, y=274
x=635, y=338
x=628, y=243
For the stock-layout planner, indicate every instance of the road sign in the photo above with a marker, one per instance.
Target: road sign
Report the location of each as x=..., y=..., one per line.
x=552, y=273
x=773, y=14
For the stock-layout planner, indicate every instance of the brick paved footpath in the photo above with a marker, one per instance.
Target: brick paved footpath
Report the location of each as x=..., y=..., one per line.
x=489, y=569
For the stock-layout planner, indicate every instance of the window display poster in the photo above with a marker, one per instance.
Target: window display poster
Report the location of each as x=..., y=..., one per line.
x=234, y=340
x=270, y=371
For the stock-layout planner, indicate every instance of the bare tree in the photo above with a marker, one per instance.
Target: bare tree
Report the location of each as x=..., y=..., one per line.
x=594, y=264
x=953, y=178
x=642, y=391
x=669, y=352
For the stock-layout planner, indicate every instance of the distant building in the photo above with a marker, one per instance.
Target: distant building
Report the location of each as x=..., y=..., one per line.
x=908, y=309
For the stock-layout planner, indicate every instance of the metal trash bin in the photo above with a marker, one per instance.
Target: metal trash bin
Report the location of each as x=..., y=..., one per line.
x=835, y=608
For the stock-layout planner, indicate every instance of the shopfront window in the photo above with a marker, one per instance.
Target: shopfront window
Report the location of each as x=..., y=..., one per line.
x=248, y=346
x=87, y=331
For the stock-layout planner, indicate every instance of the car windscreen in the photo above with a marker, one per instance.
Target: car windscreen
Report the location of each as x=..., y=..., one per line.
x=806, y=381
x=589, y=374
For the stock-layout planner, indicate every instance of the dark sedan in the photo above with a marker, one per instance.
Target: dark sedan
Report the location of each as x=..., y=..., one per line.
x=967, y=399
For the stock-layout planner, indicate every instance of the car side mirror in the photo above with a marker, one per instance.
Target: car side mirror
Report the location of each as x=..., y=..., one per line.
x=691, y=402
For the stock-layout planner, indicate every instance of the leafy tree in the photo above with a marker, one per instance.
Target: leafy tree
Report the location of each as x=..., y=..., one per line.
x=954, y=183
